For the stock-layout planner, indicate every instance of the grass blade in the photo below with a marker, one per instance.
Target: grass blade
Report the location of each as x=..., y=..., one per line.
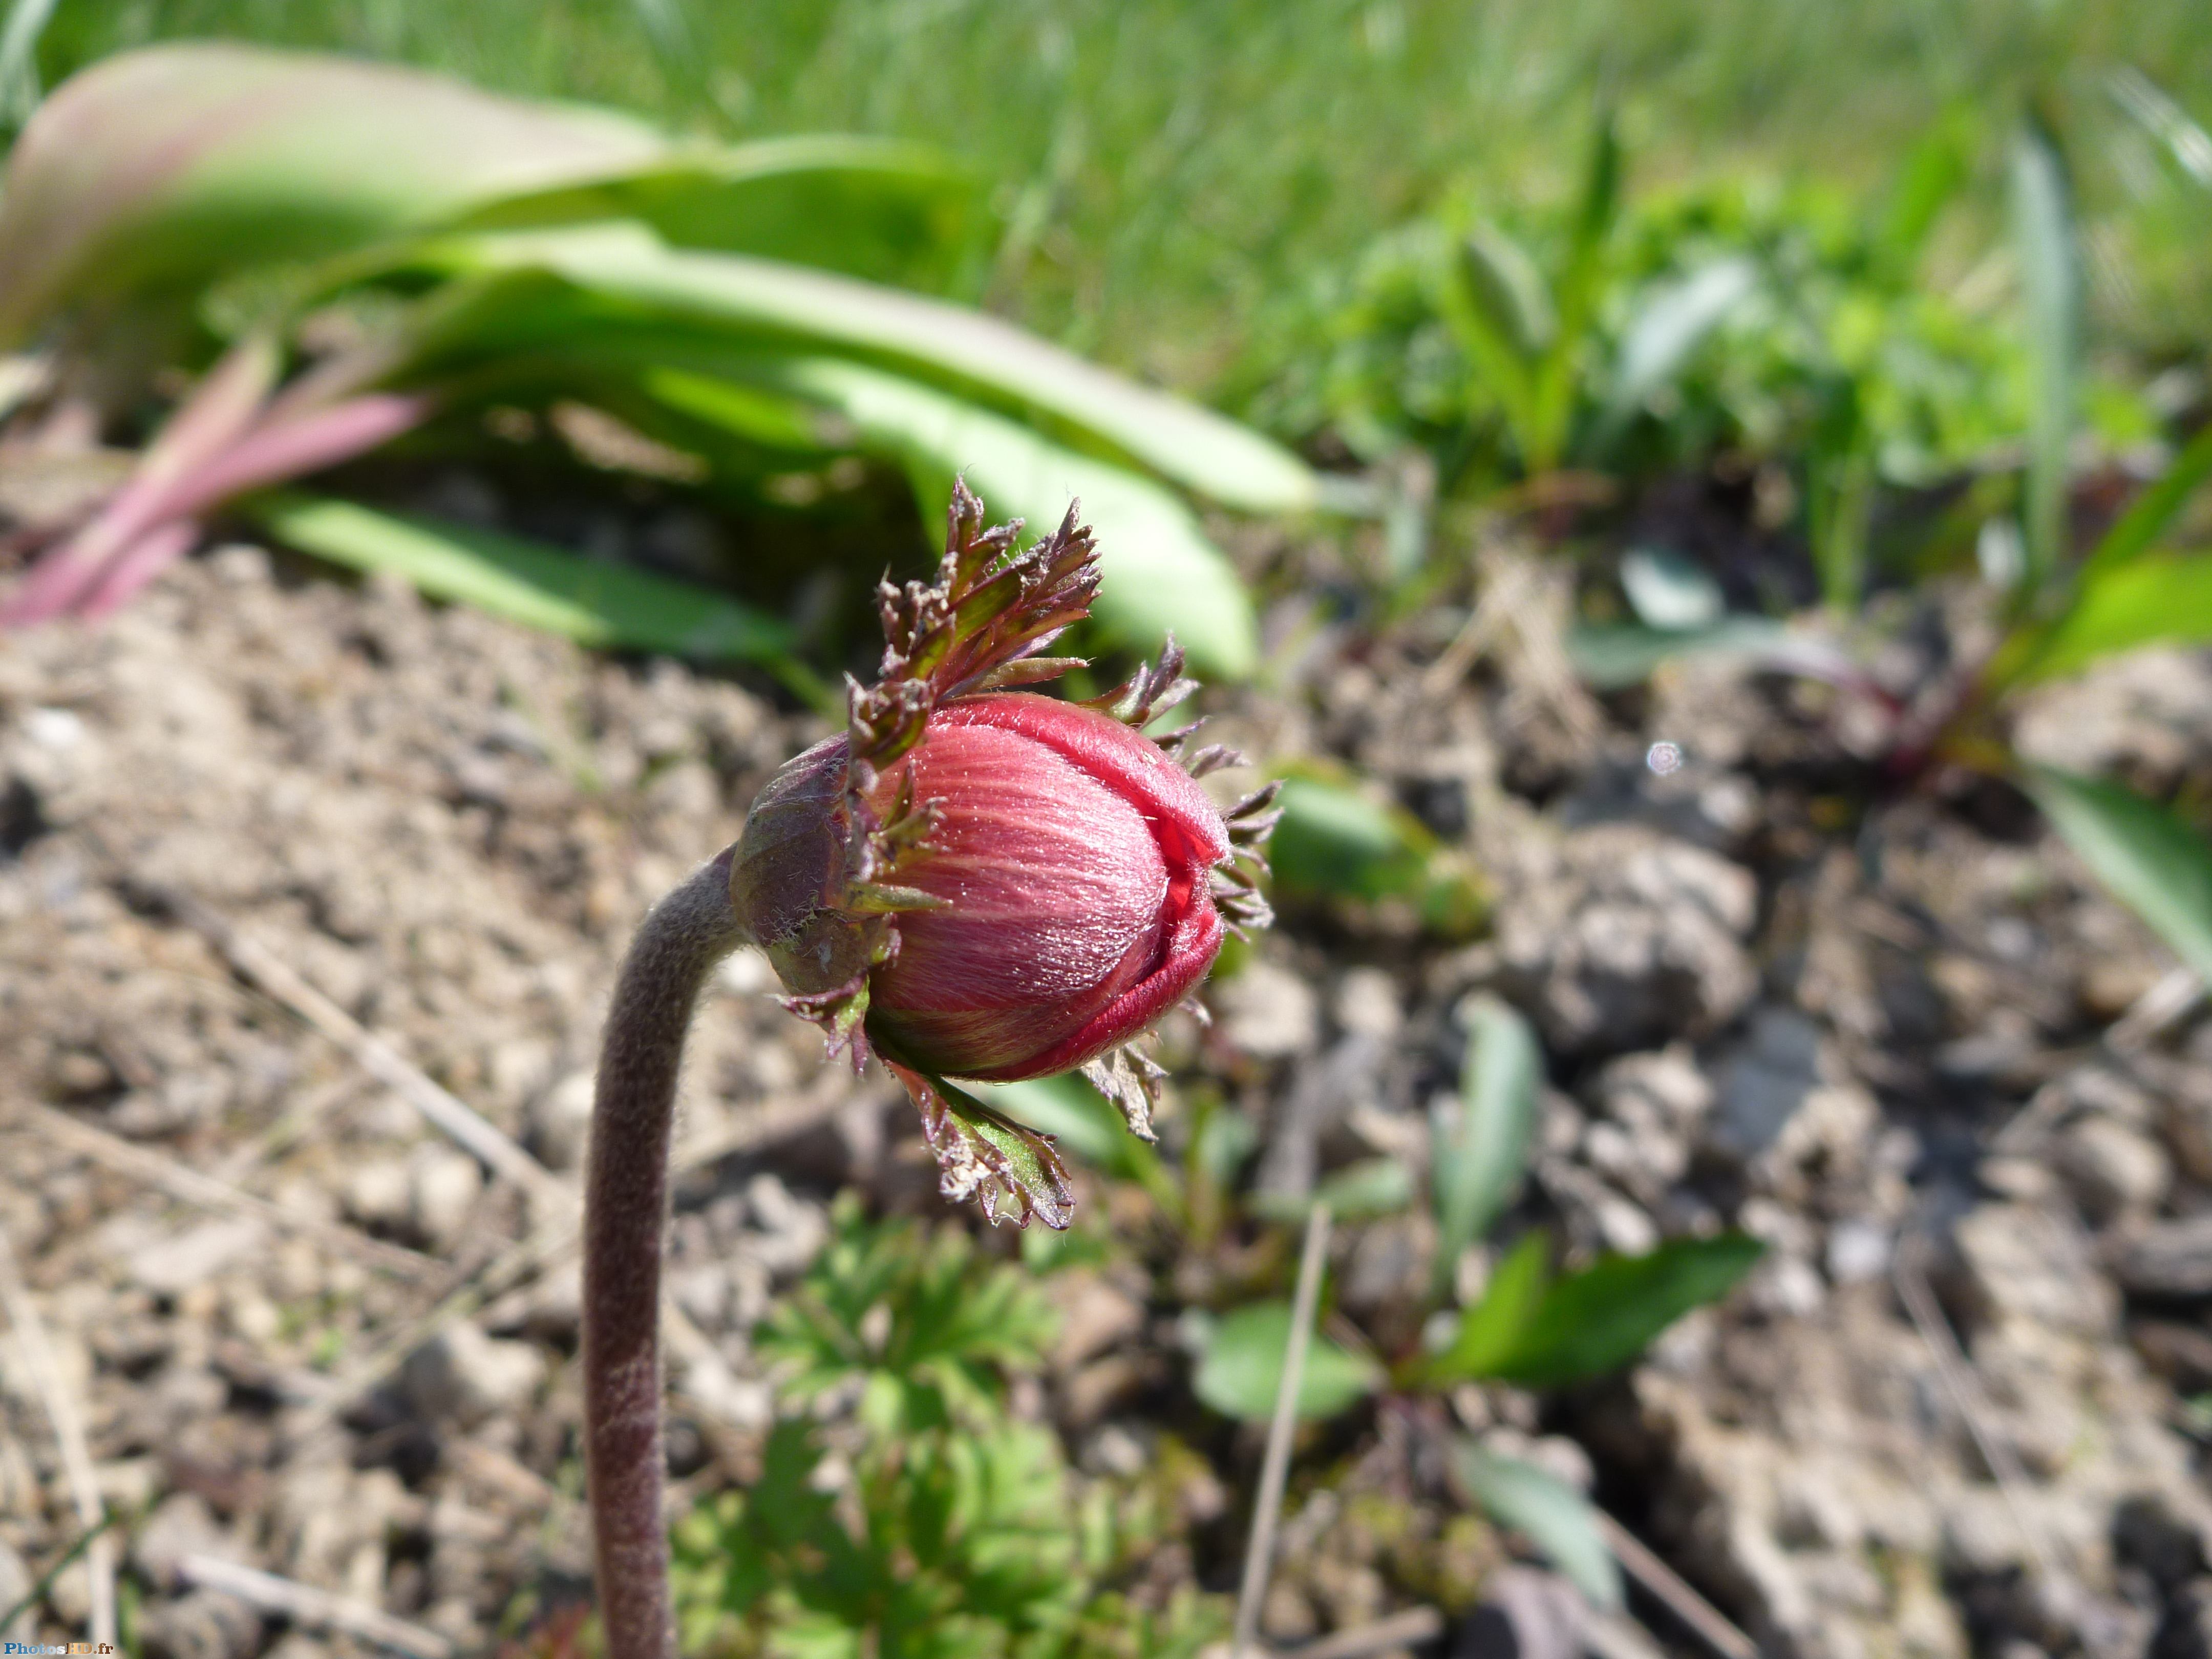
x=611, y=606
x=1576, y=295
x=2146, y=857
x=2150, y=514
x=19, y=66
x=2043, y=232
x=1479, y=1159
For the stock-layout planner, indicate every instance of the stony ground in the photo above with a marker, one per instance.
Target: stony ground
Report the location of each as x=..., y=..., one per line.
x=1965, y=1099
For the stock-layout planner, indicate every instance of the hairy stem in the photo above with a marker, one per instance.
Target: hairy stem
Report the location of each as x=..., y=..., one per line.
x=625, y=1215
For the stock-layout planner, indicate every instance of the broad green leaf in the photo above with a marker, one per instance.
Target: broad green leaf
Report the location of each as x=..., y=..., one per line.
x=1478, y=1158
x=1159, y=573
x=2151, y=861
x=1358, y=1192
x=962, y=351
x=1597, y=1320
x=1243, y=1368
x=1490, y=1329
x=1333, y=839
x=887, y=212
x=612, y=606
x=2127, y=606
x=158, y=169
x=1552, y=1515
x=2148, y=516
x=1510, y=290
x=2043, y=235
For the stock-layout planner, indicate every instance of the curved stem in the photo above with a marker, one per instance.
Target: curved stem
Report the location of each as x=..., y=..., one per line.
x=625, y=1216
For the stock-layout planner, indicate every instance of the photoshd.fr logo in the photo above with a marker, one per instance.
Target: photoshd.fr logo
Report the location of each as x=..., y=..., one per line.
x=56, y=1647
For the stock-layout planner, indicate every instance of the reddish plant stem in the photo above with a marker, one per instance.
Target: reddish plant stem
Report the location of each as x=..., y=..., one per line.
x=625, y=1218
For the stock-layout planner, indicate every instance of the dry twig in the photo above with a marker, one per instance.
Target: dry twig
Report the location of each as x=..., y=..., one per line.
x=1713, y=1626
x=37, y=1351
x=317, y=1609
x=440, y=1107
x=1959, y=1381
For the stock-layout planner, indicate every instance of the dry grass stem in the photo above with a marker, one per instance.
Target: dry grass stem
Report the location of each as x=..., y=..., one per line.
x=1910, y=1275
x=1713, y=1626
x=1275, y=1466
x=313, y=1608
x=439, y=1107
x=36, y=1352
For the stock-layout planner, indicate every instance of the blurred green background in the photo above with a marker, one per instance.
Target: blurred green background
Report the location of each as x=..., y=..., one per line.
x=1168, y=176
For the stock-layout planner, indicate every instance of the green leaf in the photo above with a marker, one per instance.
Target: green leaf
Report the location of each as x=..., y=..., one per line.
x=157, y=170
x=1477, y=1158
x=1671, y=321
x=19, y=80
x=611, y=606
x=1358, y=1192
x=1553, y=1517
x=1159, y=573
x=873, y=207
x=1598, y=1320
x=1489, y=1331
x=1333, y=839
x=2043, y=235
x=2127, y=606
x=1243, y=1368
x=962, y=351
x=2149, y=860
x=1624, y=654
x=1492, y=299
x=2152, y=511
x=1576, y=294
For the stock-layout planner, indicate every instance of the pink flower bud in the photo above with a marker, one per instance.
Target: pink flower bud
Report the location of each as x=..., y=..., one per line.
x=1059, y=902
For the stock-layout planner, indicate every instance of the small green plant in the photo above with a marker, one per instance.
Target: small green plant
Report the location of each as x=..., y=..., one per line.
x=928, y=1526
x=1532, y=1326
x=2057, y=613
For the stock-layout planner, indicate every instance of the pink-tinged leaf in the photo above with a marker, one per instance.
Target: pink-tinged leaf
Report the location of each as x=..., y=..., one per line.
x=227, y=400
x=221, y=409
x=141, y=531
x=274, y=453
x=138, y=564
x=155, y=170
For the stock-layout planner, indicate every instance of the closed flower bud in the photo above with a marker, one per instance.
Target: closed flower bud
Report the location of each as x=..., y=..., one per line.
x=978, y=882
x=1065, y=896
